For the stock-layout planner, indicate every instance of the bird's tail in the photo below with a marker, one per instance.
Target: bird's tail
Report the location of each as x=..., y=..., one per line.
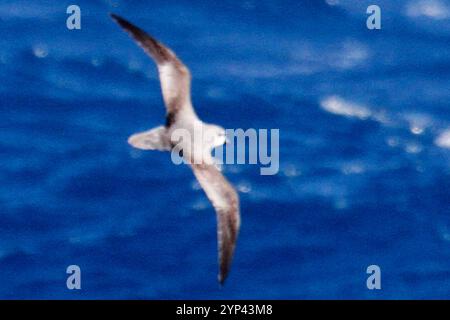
x=154, y=139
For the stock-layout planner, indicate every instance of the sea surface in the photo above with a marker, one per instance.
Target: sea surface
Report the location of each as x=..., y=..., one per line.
x=364, y=175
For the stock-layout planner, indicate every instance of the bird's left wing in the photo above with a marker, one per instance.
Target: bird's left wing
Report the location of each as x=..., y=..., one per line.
x=225, y=201
x=174, y=76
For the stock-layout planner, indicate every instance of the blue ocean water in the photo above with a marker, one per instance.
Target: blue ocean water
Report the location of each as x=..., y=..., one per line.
x=364, y=150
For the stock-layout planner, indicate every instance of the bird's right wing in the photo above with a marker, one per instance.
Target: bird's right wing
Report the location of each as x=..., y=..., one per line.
x=225, y=201
x=174, y=75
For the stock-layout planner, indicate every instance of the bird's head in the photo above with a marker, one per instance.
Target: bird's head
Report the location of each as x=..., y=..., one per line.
x=215, y=136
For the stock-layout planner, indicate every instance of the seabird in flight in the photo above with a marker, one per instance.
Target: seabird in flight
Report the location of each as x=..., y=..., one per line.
x=175, y=81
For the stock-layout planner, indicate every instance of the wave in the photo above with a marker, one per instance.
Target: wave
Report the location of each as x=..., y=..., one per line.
x=337, y=105
x=443, y=140
x=430, y=9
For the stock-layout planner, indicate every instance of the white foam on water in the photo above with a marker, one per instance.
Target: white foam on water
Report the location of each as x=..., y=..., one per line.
x=244, y=187
x=393, y=141
x=352, y=54
x=353, y=168
x=40, y=51
x=418, y=123
x=413, y=147
x=200, y=204
x=291, y=170
x=339, y=106
x=134, y=65
x=215, y=93
x=195, y=185
x=341, y=203
x=332, y=2
x=443, y=140
x=96, y=62
x=135, y=153
x=432, y=9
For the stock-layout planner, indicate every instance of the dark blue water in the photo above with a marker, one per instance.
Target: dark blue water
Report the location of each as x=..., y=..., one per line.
x=364, y=150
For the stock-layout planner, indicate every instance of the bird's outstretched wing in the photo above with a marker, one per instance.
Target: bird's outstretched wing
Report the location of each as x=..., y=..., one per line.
x=225, y=200
x=174, y=76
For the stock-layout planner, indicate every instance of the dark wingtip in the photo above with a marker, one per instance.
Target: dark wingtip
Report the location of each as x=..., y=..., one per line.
x=121, y=21
x=113, y=16
x=221, y=279
x=222, y=276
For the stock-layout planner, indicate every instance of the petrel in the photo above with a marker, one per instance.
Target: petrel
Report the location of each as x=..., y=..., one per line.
x=175, y=81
